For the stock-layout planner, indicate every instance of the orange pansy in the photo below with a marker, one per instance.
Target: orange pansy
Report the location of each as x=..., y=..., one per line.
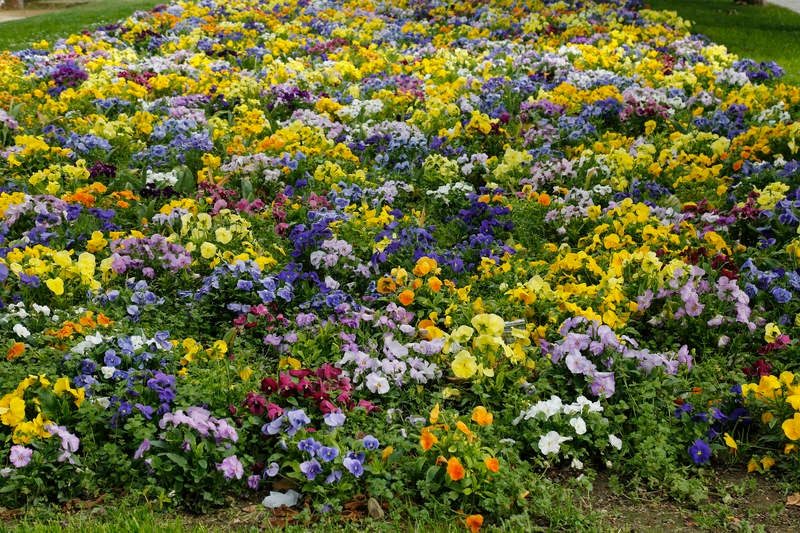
x=406, y=297
x=474, y=522
x=15, y=351
x=482, y=416
x=427, y=439
x=455, y=469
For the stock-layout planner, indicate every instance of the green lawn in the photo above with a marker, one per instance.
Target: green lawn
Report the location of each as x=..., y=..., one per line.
x=762, y=33
x=18, y=34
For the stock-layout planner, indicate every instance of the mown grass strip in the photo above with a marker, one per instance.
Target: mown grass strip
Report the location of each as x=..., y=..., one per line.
x=19, y=34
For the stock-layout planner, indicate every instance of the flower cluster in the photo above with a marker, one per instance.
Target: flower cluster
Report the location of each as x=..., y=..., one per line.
x=314, y=223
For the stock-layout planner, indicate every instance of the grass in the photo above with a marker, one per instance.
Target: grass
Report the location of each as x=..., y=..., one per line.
x=130, y=515
x=737, y=502
x=762, y=33
x=19, y=34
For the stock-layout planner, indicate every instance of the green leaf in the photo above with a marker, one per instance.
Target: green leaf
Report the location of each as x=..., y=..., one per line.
x=187, y=184
x=177, y=459
x=431, y=474
x=246, y=189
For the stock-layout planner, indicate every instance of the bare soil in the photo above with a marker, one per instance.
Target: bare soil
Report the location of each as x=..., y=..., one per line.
x=738, y=502
x=17, y=14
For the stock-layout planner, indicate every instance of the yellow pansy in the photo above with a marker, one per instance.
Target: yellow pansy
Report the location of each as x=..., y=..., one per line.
x=223, y=235
x=12, y=410
x=56, y=285
x=462, y=334
x=434, y=414
x=464, y=365
x=791, y=427
x=771, y=332
x=208, y=250
x=245, y=373
x=488, y=324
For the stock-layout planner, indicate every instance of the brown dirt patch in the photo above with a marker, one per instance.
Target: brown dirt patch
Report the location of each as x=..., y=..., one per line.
x=737, y=502
x=17, y=14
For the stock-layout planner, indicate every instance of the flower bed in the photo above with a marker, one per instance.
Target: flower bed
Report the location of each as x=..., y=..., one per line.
x=417, y=251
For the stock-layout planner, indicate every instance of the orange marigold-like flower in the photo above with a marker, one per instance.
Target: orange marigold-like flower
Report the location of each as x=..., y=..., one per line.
x=15, y=351
x=424, y=265
x=492, y=464
x=386, y=286
x=482, y=416
x=427, y=439
x=462, y=427
x=474, y=522
x=544, y=199
x=87, y=320
x=406, y=297
x=386, y=453
x=455, y=469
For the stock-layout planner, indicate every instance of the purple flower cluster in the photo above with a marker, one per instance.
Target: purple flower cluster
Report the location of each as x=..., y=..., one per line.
x=590, y=348
x=69, y=442
x=144, y=254
x=200, y=420
x=779, y=283
x=67, y=75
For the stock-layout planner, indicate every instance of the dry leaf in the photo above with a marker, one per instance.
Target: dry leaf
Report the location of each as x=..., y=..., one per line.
x=375, y=510
x=356, y=503
x=794, y=499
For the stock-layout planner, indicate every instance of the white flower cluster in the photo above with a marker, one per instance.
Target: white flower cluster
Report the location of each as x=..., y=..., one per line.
x=450, y=191
x=550, y=442
x=555, y=406
x=357, y=107
x=402, y=363
x=162, y=179
x=18, y=313
x=733, y=77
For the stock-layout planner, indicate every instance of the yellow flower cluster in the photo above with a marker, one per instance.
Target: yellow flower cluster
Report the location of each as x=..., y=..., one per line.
x=774, y=392
x=481, y=349
x=16, y=405
x=56, y=267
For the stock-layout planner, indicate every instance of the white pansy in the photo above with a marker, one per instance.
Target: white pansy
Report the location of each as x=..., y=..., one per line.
x=21, y=331
x=377, y=383
x=550, y=443
x=578, y=424
x=41, y=309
